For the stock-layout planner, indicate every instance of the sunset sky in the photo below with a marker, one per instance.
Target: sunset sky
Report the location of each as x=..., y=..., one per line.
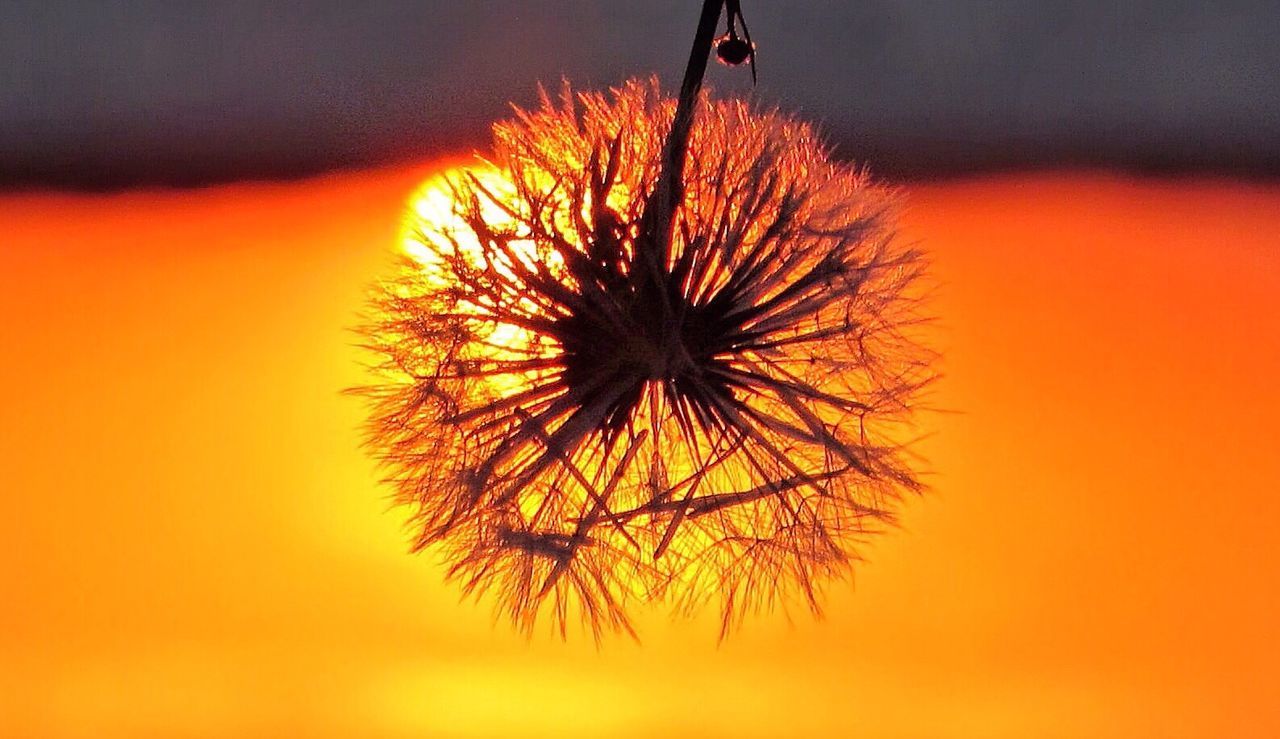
x=195, y=545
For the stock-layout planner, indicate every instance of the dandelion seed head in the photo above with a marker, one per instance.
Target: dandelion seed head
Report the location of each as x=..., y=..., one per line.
x=586, y=414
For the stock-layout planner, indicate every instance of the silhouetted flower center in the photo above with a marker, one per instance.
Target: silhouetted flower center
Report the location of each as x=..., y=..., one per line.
x=648, y=335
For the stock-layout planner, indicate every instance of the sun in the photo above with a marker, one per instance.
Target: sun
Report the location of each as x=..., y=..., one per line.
x=590, y=401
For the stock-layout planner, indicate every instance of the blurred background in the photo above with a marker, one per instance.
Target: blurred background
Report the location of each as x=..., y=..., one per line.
x=105, y=93
x=193, y=544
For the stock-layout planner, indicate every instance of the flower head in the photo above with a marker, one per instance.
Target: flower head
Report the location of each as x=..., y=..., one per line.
x=588, y=404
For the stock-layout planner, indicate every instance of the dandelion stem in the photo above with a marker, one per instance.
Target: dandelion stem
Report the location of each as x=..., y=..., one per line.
x=678, y=141
x=660, y=209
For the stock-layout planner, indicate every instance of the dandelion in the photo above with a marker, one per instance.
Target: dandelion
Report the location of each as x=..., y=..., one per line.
x=588, y=407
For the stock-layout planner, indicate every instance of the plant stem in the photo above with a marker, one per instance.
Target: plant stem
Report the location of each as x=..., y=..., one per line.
x=678, y=140
x=660, y=210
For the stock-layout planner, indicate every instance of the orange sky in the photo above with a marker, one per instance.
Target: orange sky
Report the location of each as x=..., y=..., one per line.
x=193, y=544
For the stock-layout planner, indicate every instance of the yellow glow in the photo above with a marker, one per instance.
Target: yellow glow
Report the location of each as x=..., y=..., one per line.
x=434, y=214
x=194, y=544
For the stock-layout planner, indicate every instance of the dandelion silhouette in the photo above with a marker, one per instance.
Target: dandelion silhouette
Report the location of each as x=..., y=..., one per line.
x=648, y=357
